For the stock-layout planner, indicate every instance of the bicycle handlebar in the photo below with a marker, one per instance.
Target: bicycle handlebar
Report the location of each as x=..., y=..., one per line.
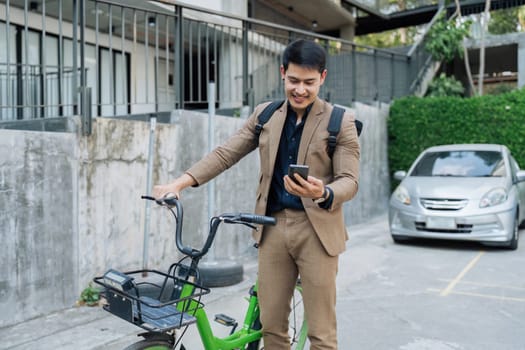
x=230, y=218
x=170, y=203
x=246, y=218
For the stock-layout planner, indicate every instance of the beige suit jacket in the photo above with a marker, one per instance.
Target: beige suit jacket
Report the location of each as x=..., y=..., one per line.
x=340, y=173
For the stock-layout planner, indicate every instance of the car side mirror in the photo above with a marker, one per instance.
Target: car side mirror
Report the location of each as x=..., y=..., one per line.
x=520, y=175
x=400, y=175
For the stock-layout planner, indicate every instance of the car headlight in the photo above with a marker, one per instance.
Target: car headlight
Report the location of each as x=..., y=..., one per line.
x=493, y=197
x=401, y=194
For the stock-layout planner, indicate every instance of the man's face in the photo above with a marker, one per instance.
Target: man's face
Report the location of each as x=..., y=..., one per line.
x=301, y=85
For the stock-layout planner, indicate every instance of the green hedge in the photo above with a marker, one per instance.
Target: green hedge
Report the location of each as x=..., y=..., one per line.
x=418, y=123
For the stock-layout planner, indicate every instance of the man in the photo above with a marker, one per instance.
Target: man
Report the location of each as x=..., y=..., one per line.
x=310, y=231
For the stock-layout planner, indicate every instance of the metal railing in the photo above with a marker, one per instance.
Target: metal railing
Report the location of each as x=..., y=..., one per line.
x=418, y=53
x=27, y=83
x=158, y=57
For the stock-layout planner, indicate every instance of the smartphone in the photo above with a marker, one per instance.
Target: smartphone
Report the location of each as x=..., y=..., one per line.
x=302, y=170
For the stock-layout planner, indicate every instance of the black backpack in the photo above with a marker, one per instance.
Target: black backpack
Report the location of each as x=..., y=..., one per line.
x=334, y=125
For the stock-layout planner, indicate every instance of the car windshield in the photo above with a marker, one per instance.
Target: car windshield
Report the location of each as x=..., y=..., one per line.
x=461, y=163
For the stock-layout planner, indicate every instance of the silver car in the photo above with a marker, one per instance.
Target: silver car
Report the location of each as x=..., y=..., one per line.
x=472, y=192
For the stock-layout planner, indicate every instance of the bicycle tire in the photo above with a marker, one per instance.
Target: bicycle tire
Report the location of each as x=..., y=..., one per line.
x=151, y=344
x=297, y=326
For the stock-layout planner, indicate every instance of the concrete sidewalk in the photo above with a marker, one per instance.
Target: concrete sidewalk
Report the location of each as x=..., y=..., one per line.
x=91, y=328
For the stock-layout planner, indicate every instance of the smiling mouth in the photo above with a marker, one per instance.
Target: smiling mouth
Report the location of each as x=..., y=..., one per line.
x=299, y=99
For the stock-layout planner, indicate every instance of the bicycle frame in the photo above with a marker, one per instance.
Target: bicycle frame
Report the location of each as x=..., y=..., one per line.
x=188, y=301
x=245, y=335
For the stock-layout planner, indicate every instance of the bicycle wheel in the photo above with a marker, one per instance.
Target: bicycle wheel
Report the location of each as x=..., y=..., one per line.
x=151, y=344
x=297, y=327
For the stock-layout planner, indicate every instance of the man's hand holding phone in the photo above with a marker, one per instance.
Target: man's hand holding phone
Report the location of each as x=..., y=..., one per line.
x=299, y=183
x=300, y=170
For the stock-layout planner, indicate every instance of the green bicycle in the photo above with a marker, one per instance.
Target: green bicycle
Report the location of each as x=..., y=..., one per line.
x=164, y=304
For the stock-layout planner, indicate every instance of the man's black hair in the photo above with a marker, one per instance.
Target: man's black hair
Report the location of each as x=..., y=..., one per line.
x=305, y=53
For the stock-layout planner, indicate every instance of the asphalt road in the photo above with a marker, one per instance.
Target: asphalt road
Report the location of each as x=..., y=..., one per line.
x=437, y=295
x=418, y=296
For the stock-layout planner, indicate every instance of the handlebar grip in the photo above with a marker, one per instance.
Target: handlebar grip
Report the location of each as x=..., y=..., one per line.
x=258, y=219
x=170, y=201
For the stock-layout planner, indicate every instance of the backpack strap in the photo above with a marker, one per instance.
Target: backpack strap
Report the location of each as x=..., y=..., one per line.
x=334, y=125
x=265, y=115
x=358, y=126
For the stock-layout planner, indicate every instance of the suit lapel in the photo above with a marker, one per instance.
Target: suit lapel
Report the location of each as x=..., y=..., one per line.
x=312, y=123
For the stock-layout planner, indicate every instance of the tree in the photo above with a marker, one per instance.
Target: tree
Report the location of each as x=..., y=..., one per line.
x=389, y=38
x=505, y=21
x=521, y=17
x=445, y=86
x=444, y=40
x=484, y=22
x=465, y=51
x=397, y=37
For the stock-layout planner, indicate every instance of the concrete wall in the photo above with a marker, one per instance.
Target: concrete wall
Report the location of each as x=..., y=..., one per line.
x=38, y=223
x=374, y=181
x=70, y=206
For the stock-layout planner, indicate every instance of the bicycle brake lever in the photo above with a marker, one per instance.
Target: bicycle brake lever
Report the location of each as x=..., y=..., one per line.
x=229, y=219
x=237, y=220
x=253, y=227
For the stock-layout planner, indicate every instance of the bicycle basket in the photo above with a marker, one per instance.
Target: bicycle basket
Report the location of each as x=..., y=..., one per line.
x=153, y=302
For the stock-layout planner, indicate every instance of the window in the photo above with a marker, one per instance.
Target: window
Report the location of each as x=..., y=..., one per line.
x=461, y=164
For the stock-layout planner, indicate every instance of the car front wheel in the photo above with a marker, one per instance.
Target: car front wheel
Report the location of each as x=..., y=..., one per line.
x=400, y=239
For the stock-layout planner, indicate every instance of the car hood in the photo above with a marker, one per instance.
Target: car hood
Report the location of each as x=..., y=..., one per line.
x=451, y=187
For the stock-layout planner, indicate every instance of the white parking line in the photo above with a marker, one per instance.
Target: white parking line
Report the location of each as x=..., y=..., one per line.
x=498, y=297
x=458, y=278
x=488, y=296
x=485, y=285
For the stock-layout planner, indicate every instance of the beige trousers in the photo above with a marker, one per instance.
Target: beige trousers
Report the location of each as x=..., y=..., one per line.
x=288, y=250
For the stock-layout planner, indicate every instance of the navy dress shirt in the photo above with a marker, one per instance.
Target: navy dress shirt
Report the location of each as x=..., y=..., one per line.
x=279, y=198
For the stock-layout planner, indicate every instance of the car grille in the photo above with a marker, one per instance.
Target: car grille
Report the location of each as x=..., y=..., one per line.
x=460, y=228
x=443, y=203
